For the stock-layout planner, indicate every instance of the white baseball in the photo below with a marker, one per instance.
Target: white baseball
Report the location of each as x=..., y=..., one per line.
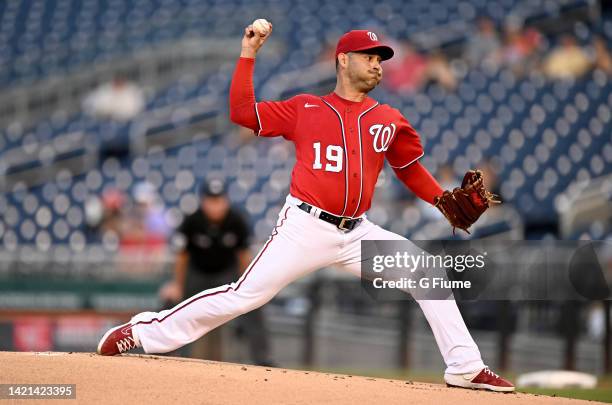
x=261, y=26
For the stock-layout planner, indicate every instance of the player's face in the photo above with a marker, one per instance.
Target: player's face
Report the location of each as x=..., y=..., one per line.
x=364, y=70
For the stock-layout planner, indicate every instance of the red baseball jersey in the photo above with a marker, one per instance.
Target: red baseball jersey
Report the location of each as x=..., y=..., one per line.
x=341, y=146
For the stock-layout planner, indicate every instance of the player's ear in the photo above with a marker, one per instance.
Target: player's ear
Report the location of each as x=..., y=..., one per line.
x=342, y=60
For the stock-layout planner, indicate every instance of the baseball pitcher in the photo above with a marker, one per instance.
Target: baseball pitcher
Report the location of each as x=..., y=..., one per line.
x=342, y=141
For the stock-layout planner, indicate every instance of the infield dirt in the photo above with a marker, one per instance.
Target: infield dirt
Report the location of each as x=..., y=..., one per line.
x=137, y=379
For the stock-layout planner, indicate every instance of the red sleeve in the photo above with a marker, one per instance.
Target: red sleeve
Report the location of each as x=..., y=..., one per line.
x=405, y=147
x=266, y=118
x=418, y=179
x=277, y=118
x=242, y=95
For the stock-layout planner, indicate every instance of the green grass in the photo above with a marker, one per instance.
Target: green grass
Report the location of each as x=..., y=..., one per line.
x=602, y=393
x=595, y=394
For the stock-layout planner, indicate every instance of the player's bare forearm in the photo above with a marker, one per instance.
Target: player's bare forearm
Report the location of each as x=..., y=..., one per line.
x=418, y=179
x=248, y=53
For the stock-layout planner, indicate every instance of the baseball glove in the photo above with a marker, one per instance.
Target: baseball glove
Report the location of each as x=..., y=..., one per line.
x=463, y=206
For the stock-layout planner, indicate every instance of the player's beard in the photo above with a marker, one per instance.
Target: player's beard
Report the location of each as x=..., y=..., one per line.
x=365, y=82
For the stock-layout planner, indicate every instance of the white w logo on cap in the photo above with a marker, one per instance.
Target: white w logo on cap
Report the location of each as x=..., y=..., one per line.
x=372, y=36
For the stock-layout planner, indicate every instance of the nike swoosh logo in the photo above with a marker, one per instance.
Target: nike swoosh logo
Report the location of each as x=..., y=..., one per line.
x=310, y=105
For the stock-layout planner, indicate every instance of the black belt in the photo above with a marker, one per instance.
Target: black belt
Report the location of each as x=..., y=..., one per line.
x=344, y=223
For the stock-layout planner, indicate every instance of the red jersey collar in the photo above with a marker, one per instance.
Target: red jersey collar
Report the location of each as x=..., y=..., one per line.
x=336, y=100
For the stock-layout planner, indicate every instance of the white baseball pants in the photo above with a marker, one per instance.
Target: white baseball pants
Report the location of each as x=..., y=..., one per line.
x=299, y=244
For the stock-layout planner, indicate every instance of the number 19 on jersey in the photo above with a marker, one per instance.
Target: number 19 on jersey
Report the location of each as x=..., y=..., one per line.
x=333, y=154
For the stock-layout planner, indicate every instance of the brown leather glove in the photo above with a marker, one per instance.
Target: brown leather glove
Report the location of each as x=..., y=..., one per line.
x=463, y=206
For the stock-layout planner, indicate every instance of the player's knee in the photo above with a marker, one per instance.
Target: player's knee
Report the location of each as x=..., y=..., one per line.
x=251, y=302
x=248, y=306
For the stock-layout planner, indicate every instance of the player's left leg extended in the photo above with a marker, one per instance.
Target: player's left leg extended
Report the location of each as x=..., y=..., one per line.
x=464, y=365
x=298, y=245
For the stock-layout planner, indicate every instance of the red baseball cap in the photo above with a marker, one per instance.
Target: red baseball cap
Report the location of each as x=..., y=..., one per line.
x=363, y=40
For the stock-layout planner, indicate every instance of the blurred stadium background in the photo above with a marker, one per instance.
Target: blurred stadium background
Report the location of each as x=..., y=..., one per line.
x=91, y=190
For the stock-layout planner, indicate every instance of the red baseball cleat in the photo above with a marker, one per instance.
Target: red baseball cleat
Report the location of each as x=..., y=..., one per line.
x=118, y=340
x=484, y=379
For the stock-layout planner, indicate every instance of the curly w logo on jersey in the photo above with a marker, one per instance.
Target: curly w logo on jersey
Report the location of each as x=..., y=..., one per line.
x=383, y=134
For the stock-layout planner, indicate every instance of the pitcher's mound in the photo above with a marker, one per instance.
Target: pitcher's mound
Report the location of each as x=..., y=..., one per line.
x=132, y=379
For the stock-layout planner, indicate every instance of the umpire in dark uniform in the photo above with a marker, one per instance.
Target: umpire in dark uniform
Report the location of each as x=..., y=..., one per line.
x=213, y=251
